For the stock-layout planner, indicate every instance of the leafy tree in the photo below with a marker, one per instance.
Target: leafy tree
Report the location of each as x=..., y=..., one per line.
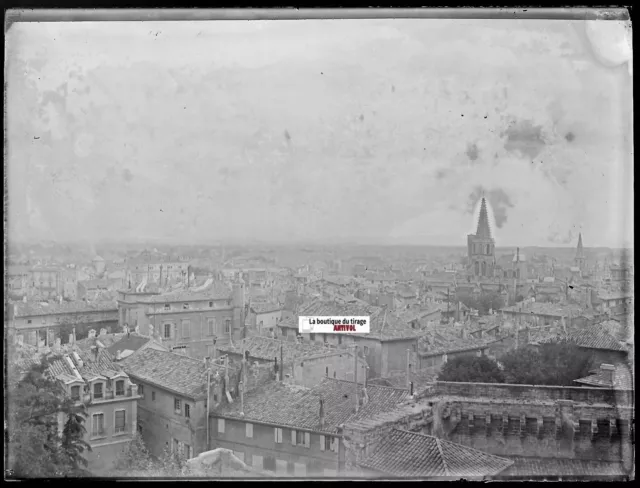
x=484, y=303
x=472, y=369
x=136, y=461
x=134, y=456
x=557, y=363
x=35, y=446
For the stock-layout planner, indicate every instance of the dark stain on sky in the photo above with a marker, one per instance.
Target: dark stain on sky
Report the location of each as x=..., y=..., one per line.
x=126, y=175
x=287, y=136
x=498, y=199
x=525, y=138
x=472, y=151
x=569, y=136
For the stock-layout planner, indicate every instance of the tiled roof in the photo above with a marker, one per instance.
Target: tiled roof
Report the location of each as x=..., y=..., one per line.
x=440, y=341
x=552, y=467
x=410, y=454
x=131, y=343
x=214, y=292
x=106, y=341
x=622, y=379
x=596, y=338
x=613, y=295
x=266, y=348
x=298, y=407
x=100, y=365
x=31, y=309
x=551, y=309
x=175, y=372
x=265, y=307
x=337, y=280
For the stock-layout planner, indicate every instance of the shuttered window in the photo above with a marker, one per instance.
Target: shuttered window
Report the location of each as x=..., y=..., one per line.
x=120, y=421
x=249, y=430
x=220, y=426
x=277, y=434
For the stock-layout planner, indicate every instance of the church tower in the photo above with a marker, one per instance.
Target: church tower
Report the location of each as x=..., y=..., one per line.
x=481, y=246
x=580, y=259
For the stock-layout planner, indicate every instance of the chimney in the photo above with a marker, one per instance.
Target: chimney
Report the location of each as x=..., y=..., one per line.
x=242, y=398
x=321, y=414
x=74, y=336
x=118, y=355
x=607, y=371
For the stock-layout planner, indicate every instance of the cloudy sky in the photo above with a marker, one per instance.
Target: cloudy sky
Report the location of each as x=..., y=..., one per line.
x=374, y=131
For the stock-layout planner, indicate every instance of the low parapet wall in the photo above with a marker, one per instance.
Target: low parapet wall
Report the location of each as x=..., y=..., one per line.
x=504, y=392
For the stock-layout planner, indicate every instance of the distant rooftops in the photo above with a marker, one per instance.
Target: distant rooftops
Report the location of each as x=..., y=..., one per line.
x=30, y=309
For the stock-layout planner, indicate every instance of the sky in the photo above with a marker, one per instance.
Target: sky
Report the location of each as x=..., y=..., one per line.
x=385, y=131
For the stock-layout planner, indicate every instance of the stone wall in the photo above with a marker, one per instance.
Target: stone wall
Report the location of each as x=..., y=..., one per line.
x=534, y=393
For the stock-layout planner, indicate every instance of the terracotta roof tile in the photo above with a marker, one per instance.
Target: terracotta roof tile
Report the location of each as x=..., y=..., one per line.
x=266, y=348
x=526, y=467
x=410, y=454
x=622, y=379
x=100, y=365
x=181, y=374
x=298, y=407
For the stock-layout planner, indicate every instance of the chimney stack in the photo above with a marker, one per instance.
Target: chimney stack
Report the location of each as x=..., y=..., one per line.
x=73, y=336
x=118, y=355
x=321, y=414
x=607, y=371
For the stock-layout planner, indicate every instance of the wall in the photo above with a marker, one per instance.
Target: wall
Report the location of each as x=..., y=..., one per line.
x=263, y=444
x=269, y=320
x=394, y=356
x=310, y=372
x=535, y=393
x=160, y=424
x=106, y=447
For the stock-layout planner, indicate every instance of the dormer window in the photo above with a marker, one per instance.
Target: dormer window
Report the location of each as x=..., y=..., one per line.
x=185, y=306
x=75, y=393
x=120, y=388
x=97, y=390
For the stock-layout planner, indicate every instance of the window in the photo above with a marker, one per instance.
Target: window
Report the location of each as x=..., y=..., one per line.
x=249, y=430
x=227, y=326
x=187, y=451
x=120, y=421
x=366, y=350
x=97, y=424
x=177, y=405
x=120, y=388
x=186, y=328
x=176, y=446
x=269, y=464
x=28, y=321
x=334, y=374
x=187, y=410
x=283, y=331
x=312, y=337
x=326, y=443
x=239, y=455
x=211, y=325
x=153, y=396
x=185, y=306
x=220, y=426
x=75, y=393
x=257, y=461
x=97, y=390
x=167, y=331
x=326, y=371
x=141, y=390
x=210, y=304
x=339, y=339
x=277, y=435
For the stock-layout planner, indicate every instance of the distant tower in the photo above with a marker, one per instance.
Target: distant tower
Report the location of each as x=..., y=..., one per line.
x=580, y=259
x=481, y=246
x=99, y=265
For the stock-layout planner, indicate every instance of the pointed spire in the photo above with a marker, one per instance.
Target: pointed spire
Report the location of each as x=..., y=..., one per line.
x=580, y=251
x=483, y=231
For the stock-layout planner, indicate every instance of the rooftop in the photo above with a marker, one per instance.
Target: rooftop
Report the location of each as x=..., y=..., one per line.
x=213, y=292
x=622, y=378
x=440, y=341
x=266, y=348
x=526, y=467
x=93, y=365
x=31, y=309
x=132, y=343
x=593, y=337
x=299, y=408
x=550, y=309
x=410, y=454
x=265, y=307
x=180, y=374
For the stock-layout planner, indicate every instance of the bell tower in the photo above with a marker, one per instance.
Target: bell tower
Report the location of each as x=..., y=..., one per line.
x=481, y=246
x=580, y=259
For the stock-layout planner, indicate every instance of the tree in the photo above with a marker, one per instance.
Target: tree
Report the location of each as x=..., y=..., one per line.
x=136, y=461
x=473, y=369
x=483, y=303
x=73, y=444
x=134, y=456
x=557, y=363
x=36, y=447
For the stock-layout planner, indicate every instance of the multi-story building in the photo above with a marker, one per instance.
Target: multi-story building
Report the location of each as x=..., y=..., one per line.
x=110, y=397
x=172, y=405
x=296, y=431
x=187, y=320
x=47, y=281
x=38, y=321
x=155, y=268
